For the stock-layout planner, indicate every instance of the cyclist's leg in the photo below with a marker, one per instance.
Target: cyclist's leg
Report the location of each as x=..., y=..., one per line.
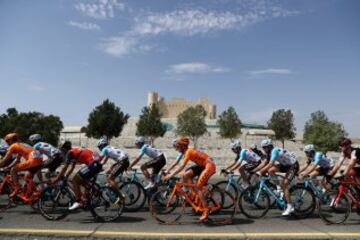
x=291, y=171
x=117, y=169
x=204, y=177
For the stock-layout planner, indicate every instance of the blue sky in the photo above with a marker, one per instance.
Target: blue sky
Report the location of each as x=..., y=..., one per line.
x=66, y=56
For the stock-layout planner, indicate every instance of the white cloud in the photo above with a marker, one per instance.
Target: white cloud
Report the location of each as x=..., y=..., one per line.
x=190, y=22
x=84, y=25
x=279, y=71
x=37, y=88
x=195, y=67
x=100, y=9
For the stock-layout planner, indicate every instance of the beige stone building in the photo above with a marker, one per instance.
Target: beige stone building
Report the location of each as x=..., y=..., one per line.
x=172, y=108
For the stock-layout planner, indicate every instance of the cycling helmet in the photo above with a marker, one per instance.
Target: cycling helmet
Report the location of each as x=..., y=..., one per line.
x=266, y=143
x=67, y=145
x=183, y=141
x=35, y=138
x=345, y=142
x=174, y=143
x=140, y=141
x=11, y=137
x=235, y=144
x=308, y=148
x=103, y=141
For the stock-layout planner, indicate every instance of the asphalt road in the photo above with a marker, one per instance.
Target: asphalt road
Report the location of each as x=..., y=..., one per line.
x=23, y=223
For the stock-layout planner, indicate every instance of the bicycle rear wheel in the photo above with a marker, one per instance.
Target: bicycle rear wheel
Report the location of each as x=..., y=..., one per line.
x=135, y=196
x=106, y=205
x=332, y=212
x=254, y=204
x=164, y=209
x=54, y=202
x=216, y=199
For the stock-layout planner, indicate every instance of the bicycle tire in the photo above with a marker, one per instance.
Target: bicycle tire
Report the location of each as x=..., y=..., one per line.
x=134, y=200
x=299, y=202
x=247, y=197
x=326, y=210
x=231, y=188
x=216, y=198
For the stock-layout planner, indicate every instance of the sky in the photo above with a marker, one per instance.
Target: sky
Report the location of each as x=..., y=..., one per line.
x=64, y=57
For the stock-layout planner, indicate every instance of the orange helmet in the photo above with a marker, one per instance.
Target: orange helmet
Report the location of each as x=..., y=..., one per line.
x=10, y=137
x=183, y=141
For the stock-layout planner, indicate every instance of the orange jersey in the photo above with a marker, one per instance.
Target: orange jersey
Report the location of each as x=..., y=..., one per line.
x=21, y=149
x=197, y=157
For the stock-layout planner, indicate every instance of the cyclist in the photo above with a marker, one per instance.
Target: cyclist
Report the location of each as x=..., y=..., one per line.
x=282, y=161
x=31, y=164
x=53, y=155
x=121, y=162
x=247, y=161
x=3, y=148
x=317, y=165
x=351, y=153
x=157, y=162
x=255, y=149
x=204, y=168
x=93, y=166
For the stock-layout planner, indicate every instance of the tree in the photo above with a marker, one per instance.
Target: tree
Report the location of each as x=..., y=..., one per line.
x=191, y=122
x=25, y=124
x=105, y=120
x=229, y=124
x=323, y=133
x=149, y=124
x=282, y=123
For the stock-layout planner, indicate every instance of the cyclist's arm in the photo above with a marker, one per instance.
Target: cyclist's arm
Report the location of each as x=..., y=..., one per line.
x=304, y=168
x=135, y=161
x=233, y=166
x=179, y=169
x=173, y=165
x=309, y=169
x=261, y=166
x=337, y=165
x=71, y=170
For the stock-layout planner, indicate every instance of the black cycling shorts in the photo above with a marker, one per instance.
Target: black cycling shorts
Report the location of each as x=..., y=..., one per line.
x=291, y=170
x=54, y=163
x=156, y=164
x=196, y=169
x=119, y=167
x=90, y=171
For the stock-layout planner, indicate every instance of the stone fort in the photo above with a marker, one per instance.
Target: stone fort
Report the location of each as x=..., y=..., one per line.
x=175, y=106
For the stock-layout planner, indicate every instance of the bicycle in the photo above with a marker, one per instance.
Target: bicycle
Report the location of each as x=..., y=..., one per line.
x=172, y=205
x=254, y=202
x=339, y=205
x=24, y=196
x=135, y=193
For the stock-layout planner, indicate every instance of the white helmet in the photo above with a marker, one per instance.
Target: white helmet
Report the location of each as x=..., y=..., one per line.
x=35, y=138
x=139, y=140
x=309, y=148
x=266, y=143
x=235, y=144
x=103, y=141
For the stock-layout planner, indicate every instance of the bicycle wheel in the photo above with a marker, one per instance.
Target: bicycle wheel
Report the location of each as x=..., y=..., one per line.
x=230, y=188
x=332, y=212
x=106, y=205
x=135, y=196
x=54, y=202
x=254, y=204
x=216, y=199
x=304, y=201
x=171, y=211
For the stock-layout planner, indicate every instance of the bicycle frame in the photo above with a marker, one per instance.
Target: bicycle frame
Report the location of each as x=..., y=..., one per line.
x=344, y=189
x=178, y=190
x=263, y=187
x=309, y=183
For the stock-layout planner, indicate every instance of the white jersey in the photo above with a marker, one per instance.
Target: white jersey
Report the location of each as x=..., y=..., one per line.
x=150, y=152
x=46, y=149
x=114, y=153
x=249, y=156
x=283, y=157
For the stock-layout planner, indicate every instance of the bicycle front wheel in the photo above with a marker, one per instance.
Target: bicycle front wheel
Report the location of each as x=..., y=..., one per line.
x=254, y=204
x=54, y=202
x=304, y=201
x=334, y=209
x=230, y=188
x=216, y=200
x=106, y=205
x=165, y=207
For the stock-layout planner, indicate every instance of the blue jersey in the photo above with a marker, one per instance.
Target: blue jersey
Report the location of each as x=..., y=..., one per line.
x=321, y=160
